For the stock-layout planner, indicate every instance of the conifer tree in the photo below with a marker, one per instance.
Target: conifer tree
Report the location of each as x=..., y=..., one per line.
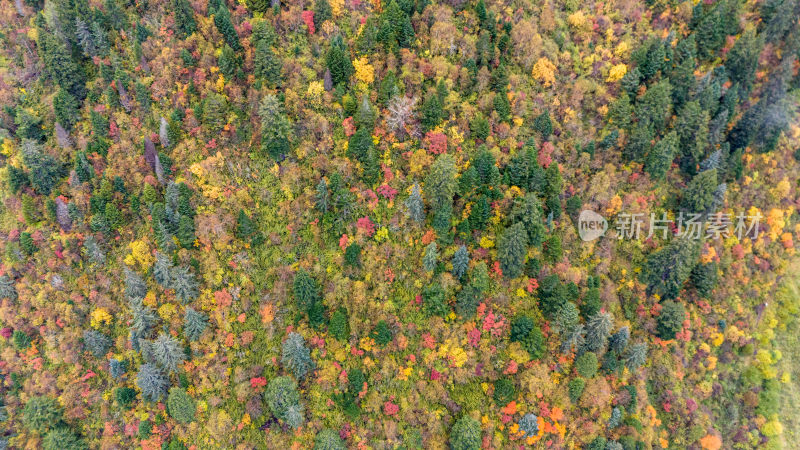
x=465, y=434
x=162, y=270
x=543, y=125
x=667, y=269
x=659, y=160
x=328, y=439
x=184, y=284
x=511, y=250
x=597, y=330
x=7, y=288
x=636, y=357
x=460, y=262
x=699, y=194
x=275, y=127
x=185, y=24
x=339, y=325
x=338, y=61
x=167, y=352
x=431, y=257
x=45, y=171
x=440, y=184
x=414, y=205
x=152, y=382
x=97, y=343
x=180, y=406
x=222, y=19
x=66, y=108
x=295, y=356
x=266, y=64
x=283, y=400
x=194, y=323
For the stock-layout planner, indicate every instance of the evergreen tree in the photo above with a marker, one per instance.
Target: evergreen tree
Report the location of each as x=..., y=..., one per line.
x=566, y=317
x=42, y=413
x=322, y=12
x=431, y=112
x=415, y=206
x=543, y=125
x=511, y=250
x=699, y=194
x=66, y=109
x=529, y=425
x=440, y=184
x=431, y=257
x=670, y=320
x=339, y=325
x=636, y=357
x=283, y=400
x=152, y=382
x=502, y=106
x=60, y=66
x=184, y=284
x=704, y=278
x=180, y=406
x=63, y=438
x=45, y=171
x=382, y=334
x=295, y=356
x=266, y=64
x=185, y=24
x=619, y=340
x=597, y=330
x=194, y=323
x=668, y=268
x=167, y=352
x=586, y=365
x=275, y=127
x=328, y=439
x=222, y=19
x=395, y=29
x=306, y=290
x=659, y=160
x=465, y=434
x=135, y=288
x=97, y=343
x=117, y=368
x=338, y=61
x=692, y=130
x=7, y=288
x=654, y=107
x=162, y=270
x=460, y=262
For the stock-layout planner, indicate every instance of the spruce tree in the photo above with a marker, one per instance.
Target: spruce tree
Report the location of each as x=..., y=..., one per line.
x=266, y=64
x=465, y=434
x=97, y=343
x=543, y=125
x=460, y=262
x=185, y=24
x=636, y=357
x=222, y=19
x=698, y=197
x=431, y=257
x=167, y=352
x=152, y=382
x=440, y=184
x=339, y=325
x=162, y=270
x=295, y=356
x=66, y=108
x=45, y=171
x=667, y=269
x=180, y=406
x=511, y=250
x=338, y=61
x=328, y=439
x=283, y=400
x=184, y=284
x=275, y=127
x=659, y=160
x=194, y=323
x=414, y=205
x=7, y=288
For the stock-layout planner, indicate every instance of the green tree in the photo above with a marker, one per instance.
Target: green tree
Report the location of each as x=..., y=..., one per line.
x=283, y=400
x=460, y=262
x=152, y=382
x=185, y=24
x=266, y=64
x=338, y=61
x=180, y=406
x=328, y=439
x=222, y=19
x=440, y=184
x=194, y=323
x=465, y=434
x=511, y=250
x=543, y=125
x=670, y=320
x=339, y=325
x=63, y=438
x=667, y=269
x=275, y=127
x=295, y=356
x=382, y=334
x=699, y=194
x=586, y=365
x=659, y=160
x=45, y=171
x=415, y=206
x=431, y=257
x=66, y=109
x=41, y=414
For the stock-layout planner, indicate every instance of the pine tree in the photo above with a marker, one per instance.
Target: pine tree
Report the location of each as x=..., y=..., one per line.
x=295, y=356
x=328, y=439
x=7, y=288
x=670, y=320
x=511, y=250
x=597, y=330
x=45, y=171
x=185, y=24
x=502, y=106
x=692, y=130
x=167, y=352
x=659, y=160
x=465, y=434
x=414, y=205
x=275, y=127
x=42, y=413
x=60, y=66
x=339, y=325
x=152, y=382
x=440, y=184
x=283, y=400
x=431, y=257
x=543, y=125
x=222, y=19
x=184, y=284
x=194, y=323
x=135, y=288
x=460, y=262
x=266, y=64
x=432, y=112
x=162, y=270
x=667, y=269
x=338, y=61
x=97, y=343
x=637, y=355
x=180, y=406
x=699, y=194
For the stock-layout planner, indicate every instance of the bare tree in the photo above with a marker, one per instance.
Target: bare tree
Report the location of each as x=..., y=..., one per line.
x=401, y=113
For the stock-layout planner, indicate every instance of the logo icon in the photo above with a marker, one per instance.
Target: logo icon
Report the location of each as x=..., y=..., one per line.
x=591, y=225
